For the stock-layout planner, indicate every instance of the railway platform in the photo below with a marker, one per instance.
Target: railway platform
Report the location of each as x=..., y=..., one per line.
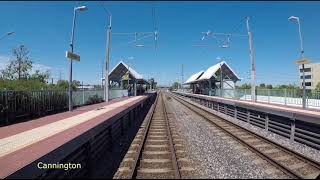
x=65, y=137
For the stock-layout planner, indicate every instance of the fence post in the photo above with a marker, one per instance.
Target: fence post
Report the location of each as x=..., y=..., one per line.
x=7, y=108
x=285, y=96
x=245, y=94
x=268, y=95
x=67, y=102
x=82, y=94
x=307, y=101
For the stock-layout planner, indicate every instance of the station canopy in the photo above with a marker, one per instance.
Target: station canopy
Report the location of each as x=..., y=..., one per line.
x=121, y=69
x=194, y=77
x=211, y=72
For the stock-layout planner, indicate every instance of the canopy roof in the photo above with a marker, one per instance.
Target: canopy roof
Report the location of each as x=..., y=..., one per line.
x=120, y=69
x=211, y=72
x=194, y=77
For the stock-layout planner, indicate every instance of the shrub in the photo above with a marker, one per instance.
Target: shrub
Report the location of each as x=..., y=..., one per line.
x=94, y=99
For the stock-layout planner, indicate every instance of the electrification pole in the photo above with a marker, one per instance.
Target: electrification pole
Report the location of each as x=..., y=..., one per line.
x=253, y=86
x=106, y=79
x=181, y=75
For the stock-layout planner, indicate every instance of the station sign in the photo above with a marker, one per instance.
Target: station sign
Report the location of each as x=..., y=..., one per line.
x=302, y=61
x=125, y=77
x=72, y=56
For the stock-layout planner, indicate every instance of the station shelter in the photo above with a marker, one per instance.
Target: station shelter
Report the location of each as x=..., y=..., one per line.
x=214, y=80
x=123, y=77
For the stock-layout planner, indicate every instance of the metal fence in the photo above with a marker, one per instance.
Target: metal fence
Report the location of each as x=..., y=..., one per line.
x=16, y=106
x=283, y=96
x=81, y=97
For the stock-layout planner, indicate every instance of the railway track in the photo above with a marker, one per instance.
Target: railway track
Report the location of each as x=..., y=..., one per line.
x=291, y=163
x=156, y=151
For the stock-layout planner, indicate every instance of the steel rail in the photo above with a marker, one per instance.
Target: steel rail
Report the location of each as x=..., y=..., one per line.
x=137, y=158
x=144, y=137
x=172, y=148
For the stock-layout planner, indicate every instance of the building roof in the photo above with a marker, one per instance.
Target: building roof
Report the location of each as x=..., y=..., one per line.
x=211, y=72
x=194, y=77
x=120, y=69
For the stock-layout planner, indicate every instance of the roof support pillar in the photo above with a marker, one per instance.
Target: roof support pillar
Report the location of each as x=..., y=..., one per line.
x=209, y=87
x=135, y=88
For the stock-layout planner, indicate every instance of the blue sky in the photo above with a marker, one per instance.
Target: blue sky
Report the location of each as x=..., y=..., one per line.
x=45, y=28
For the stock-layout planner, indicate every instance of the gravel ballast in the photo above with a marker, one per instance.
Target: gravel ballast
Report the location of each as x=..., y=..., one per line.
x=209, y=149
x=293, y=145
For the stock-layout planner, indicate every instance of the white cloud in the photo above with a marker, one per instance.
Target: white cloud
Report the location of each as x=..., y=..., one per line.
x=4, y=61
x=40, y=67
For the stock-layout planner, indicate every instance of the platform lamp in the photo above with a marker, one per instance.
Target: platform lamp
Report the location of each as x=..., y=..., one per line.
x=296, y=19
x=80, y=8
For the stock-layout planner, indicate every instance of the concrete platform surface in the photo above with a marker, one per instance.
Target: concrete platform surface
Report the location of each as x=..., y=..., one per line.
x=26, y=142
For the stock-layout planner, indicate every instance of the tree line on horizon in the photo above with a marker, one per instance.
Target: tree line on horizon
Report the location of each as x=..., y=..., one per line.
x=18, y=75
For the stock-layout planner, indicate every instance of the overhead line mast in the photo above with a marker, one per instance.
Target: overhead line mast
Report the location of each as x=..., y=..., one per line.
x=229, y=35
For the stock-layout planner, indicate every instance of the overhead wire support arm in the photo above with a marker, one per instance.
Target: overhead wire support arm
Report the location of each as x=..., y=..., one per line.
x=133, y=33
x=225, y=34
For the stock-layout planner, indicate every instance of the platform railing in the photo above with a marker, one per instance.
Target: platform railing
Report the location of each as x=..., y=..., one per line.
x=24, y=105
x=276, y=96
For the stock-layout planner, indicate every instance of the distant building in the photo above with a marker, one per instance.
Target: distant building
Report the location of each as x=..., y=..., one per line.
x=312, y=75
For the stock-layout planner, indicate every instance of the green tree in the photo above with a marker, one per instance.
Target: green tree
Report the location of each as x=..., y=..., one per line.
x=19, y=67
x=290, y=87
x=318, y=86
x=22, y=84
x=175, y=85
x=64, y=84
x=244, y=86
x=41, y=76
x=262, y=85
x=269, y=86
x=75, y=84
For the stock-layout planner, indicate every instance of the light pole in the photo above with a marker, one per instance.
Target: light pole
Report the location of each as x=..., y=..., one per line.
x=294, y=18
x=80, y=8
x=106, y=79
x=181, y=76
x=253, y=84
x=7, y=34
